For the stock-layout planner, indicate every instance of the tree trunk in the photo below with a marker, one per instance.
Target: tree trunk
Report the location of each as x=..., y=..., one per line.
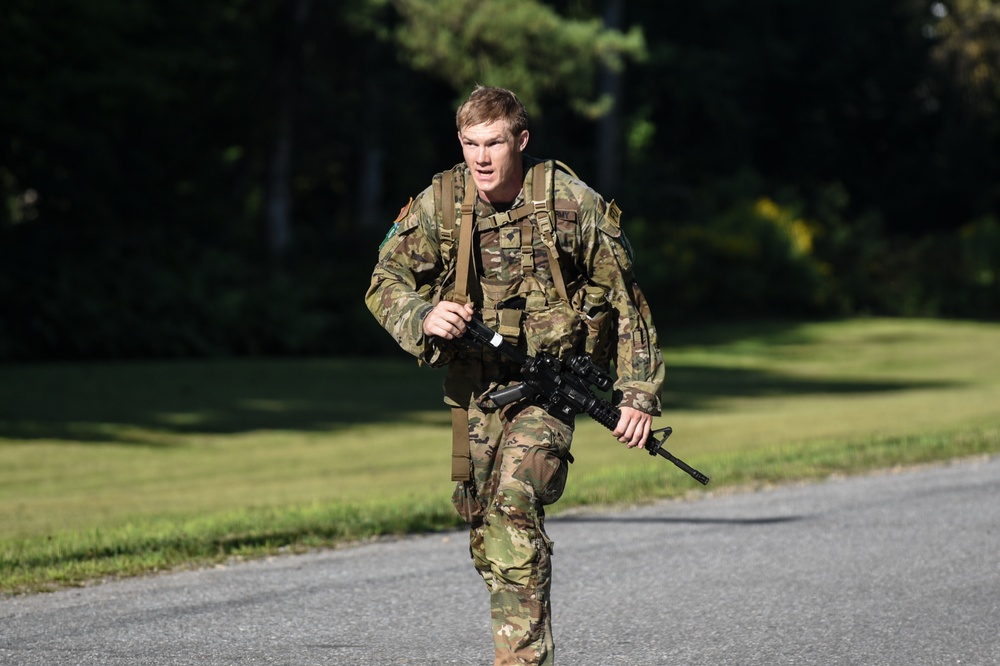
x=372, y=176
x=278, y=207
x=609, y=127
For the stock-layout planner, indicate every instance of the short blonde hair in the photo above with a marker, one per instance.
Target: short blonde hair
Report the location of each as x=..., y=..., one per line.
x=487, y=105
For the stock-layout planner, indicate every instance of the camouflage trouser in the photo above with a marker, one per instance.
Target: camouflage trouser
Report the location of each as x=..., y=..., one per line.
x=519, y=460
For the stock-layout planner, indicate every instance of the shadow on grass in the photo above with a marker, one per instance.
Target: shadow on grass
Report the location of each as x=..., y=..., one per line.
x=103, y=402
x=98, y=402
x=694, y=386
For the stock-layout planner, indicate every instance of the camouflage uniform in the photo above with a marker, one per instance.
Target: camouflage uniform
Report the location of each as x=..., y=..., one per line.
x=520, y=454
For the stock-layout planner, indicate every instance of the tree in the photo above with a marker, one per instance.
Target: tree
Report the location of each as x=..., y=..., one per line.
x=969, y=49
x=504, y=42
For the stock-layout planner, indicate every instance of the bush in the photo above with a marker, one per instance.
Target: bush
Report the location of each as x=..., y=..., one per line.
x=155, y=295
x=754, y=259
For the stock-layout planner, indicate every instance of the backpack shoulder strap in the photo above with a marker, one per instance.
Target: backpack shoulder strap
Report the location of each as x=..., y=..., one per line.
x=444, y=191
x=543, y=200
x=465, y=265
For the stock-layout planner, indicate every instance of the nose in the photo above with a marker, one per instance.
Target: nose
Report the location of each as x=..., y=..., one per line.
x=481, y=155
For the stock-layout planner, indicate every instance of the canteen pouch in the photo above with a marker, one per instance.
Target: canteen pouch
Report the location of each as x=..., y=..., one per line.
x=466, y=501
x=546, y=472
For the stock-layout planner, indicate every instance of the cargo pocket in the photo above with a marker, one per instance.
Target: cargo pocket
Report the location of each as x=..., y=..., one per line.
x=556, y=329
x=592, y=305
x=545, y=472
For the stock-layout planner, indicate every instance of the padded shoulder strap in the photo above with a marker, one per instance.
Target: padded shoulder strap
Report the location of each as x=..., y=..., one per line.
x=465, y=264
x=446, y=191
x=543, y=200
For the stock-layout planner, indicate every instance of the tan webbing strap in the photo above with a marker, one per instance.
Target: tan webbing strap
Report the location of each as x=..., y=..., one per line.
x=461, y=449
x=527, y=250
x=465, y=247
x=506, y=217
x=543, y=216
x=447, y=231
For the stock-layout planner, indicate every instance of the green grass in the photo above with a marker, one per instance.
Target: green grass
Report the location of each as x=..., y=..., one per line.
x=118, y=469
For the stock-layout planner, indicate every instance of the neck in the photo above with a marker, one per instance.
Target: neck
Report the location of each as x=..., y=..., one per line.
x=505, y=196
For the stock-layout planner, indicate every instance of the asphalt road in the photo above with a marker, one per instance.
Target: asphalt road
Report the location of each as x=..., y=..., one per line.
x=895, y=568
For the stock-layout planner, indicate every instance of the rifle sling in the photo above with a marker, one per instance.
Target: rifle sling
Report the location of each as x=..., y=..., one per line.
x=465, y=263
x=461, y=448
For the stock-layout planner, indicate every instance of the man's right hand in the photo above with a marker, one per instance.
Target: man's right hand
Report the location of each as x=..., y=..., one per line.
x=447, y=320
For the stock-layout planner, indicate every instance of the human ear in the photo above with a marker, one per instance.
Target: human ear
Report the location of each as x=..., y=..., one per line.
x=522, y=140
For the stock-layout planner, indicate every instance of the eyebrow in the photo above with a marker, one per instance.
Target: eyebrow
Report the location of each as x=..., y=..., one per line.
x=489, y=139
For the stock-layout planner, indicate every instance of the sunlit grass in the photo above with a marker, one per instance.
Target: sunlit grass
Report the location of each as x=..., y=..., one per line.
x=117, y=469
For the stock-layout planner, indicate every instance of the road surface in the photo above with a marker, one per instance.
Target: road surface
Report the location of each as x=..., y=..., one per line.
x=893, y=568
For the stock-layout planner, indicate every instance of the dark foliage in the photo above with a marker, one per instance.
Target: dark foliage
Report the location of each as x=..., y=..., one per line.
x=776, y=158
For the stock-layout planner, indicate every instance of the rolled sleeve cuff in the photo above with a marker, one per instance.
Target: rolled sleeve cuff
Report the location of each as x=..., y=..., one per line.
x=432, y=351
x=639, y=398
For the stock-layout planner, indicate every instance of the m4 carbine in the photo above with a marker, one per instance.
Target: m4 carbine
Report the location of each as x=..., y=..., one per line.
x=563, y=389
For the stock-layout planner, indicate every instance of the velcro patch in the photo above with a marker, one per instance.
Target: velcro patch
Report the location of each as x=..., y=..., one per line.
x=388, y=236
x=404, y=210
x=614, y=214
x=510, y=238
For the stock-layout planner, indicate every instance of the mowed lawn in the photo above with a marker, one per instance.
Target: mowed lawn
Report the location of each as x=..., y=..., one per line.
x=88, y=447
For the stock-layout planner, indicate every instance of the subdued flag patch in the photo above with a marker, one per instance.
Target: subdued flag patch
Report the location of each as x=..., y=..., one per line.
x=395, y=223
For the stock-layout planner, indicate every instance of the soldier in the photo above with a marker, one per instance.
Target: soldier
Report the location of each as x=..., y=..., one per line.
x=541, y=258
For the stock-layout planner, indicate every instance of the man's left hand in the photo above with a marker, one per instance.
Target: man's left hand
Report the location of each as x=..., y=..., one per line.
x=633, y=427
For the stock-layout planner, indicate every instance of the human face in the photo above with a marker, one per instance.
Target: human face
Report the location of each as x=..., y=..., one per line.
x=493, y=155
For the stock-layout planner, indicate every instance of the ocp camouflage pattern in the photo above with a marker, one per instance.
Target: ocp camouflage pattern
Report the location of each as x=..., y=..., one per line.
x=509, y=546
x=411, y=275
x=520, y=455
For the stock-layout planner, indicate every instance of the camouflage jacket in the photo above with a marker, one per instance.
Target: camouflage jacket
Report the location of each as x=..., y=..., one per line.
x=595, y=256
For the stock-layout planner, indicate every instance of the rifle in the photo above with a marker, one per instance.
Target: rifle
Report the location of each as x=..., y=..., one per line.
x=563, y=390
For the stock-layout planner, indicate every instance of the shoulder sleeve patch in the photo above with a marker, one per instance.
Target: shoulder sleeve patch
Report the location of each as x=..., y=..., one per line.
x=614, y=214
x=403, y=211
x=388, y=236
x=610, y=223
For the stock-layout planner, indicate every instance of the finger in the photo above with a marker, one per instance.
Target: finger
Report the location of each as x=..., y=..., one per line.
x=448, y=319
x=642, y=426
x=628, y=437
x=642, y=433
x=445, y=325
x=620, y=429
x=455, y=325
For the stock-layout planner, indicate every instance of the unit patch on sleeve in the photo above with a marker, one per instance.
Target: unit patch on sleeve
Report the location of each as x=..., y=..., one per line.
x=395, y=224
